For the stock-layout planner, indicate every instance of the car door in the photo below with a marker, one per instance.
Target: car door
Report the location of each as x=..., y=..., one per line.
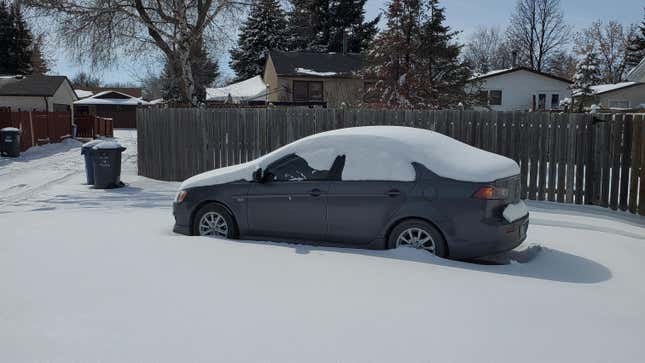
x=357, y=210
x=290, y=202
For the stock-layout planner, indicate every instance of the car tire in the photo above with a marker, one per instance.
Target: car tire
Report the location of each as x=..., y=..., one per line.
x=218, y=217
x=415, y=232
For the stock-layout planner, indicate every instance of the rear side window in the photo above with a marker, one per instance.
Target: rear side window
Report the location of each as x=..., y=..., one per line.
x=364, y=163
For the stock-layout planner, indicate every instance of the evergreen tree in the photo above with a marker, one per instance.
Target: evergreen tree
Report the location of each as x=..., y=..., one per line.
x=263, y=30
x=7, y=40
x=300, y=29
x=205, y=72
x=636, y=48
x=39, y=64
x=587, y=75
x=415, y=60
x=444, y=75
x=23, y=42
x=320, y=25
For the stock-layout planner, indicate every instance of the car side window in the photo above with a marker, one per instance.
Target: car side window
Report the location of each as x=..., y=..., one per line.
x=308, y=166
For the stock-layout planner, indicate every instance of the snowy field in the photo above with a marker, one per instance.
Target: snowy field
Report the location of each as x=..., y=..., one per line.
x=98, y=276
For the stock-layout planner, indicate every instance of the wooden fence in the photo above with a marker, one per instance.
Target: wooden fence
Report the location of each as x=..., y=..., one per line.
x=38, y=128
x=93, y=126
x=568, y=158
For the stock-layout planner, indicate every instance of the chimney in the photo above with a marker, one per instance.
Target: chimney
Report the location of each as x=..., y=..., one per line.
x=514, y=59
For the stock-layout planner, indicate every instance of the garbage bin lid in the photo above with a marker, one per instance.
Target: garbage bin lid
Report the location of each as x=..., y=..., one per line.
x=108, y=145
x=10, y=129
x=91, y=144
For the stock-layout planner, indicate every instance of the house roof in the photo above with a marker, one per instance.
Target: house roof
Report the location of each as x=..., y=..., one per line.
x=32, y=85
x=247, y=90
x=637, y=74
x=500, y=72
x=111, y=98
x=312, y=64
x=606, y=88
x=81, y=93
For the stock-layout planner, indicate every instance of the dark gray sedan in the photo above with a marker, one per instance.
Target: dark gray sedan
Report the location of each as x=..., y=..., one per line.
x=374, y=187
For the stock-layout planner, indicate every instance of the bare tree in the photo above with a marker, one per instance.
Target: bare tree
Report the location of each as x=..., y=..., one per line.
x=487, y=50
x=611, y=41
x=537, y=29
x=105, y=30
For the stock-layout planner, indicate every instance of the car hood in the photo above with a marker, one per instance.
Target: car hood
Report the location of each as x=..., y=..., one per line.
x=221, y=176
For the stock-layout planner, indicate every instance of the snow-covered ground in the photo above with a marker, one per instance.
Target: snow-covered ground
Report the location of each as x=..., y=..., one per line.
x=98, y=276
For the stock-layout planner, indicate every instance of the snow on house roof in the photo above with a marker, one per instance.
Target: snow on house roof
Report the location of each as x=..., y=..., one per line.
x=252, y=89
x=603, y=88
x=500, y=72
x=310, y=72
x=111, y=98
x=80, y=93
x=491, y=73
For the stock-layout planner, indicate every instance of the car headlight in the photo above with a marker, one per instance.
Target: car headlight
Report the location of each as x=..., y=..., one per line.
x=181, y=196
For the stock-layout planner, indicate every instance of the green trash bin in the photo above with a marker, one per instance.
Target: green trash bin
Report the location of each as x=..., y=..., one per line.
x=10, y=141
x=106, y=159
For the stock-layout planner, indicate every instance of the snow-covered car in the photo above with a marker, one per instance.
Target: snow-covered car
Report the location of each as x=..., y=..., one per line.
x=374, y=187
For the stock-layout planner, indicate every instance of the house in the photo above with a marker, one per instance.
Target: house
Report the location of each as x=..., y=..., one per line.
x=520, y=88
x=308, y=78
x=252, y=90
x=36, y=93
x=637, y=74
x=623, y=95
x=119, y=106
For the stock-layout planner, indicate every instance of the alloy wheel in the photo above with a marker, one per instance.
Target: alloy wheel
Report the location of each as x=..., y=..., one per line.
x=417, y=238
x=213, y=224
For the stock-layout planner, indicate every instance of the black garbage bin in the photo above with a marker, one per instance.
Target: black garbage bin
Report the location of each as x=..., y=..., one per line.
x=89, y=167
x=10, y=141
x=106, y=159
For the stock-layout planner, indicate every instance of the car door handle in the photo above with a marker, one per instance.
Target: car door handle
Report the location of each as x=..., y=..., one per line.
x=393, y=193
x=315, y=192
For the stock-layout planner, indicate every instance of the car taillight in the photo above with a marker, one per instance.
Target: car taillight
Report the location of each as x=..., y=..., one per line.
x=181, y=196
x=490, y=192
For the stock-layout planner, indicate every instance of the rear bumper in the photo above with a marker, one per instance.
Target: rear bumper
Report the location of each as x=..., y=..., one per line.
x=499, y=238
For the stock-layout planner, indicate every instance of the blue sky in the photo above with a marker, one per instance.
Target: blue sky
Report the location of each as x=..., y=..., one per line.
x=464, y=15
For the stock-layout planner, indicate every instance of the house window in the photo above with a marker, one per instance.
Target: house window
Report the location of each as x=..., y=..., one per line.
x=541, y=101
x=369, y=93
x=555, y=101
x=307, y=91
x=495, y=98
x=618, y=104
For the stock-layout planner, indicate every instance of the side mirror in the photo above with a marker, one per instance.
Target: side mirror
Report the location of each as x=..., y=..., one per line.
x=258, y=176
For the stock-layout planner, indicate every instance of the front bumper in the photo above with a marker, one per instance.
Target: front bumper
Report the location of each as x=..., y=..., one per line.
x=499, y=238
x=182, y=214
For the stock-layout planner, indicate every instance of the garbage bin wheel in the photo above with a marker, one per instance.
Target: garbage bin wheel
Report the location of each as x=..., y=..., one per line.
x=214, y=220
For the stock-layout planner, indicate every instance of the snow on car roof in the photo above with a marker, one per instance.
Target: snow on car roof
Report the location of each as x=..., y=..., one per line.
x=396, y=148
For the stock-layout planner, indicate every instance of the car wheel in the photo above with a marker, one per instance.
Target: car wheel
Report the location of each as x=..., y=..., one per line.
x=419, y=234
x=215, y=221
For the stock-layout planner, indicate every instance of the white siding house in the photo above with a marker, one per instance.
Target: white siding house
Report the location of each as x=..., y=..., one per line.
x=36, y=93
x=624, y=95
x=518, y=89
